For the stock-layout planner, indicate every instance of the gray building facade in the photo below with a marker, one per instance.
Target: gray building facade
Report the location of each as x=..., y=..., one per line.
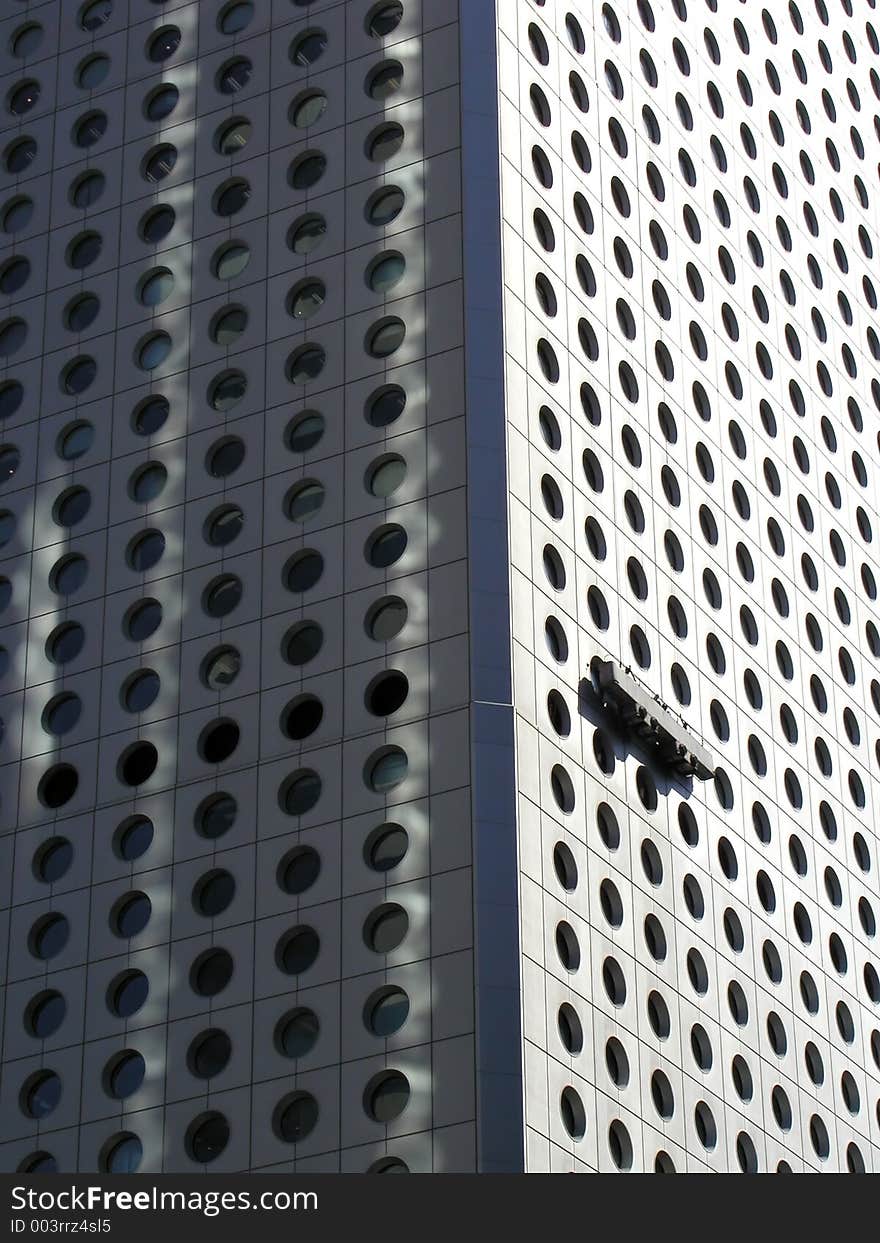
x=377, y=378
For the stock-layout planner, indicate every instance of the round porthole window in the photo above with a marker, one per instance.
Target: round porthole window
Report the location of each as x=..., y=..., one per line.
x=72, y=506
x=57, y=786
x=303, y=571
x=232, y=136
x=384, y=206
x=234, y=75
x=87, y=188
x=219, y=740
x=19, y=155
x=297, y=950
x=14, y=274
x=302, y=643
x=211, y=972
x=133, y=838
x=574, y=1117
x=213, y=893
x=386, y=1096
x=304, y=431
x=89, y=129
x=137, y=763
x=153, y=350
x=68, y=574
x=385, y=475
x=49, y=936
x=387, y=693
x=52, y=860
x=10, y=460
x=155, y=224
x=207, y=1137
x=155, y=287
x=225, y=457
x=385, y=928
x=222, y=595
x=78, y=375
x=131, y=914
x=298, y=870
x=384, y=142
x=22, y=98
x=386, y=546
x=127, y=993
x=387, y=770
x=386, y=847
x=307, y=170
x=297, y=1032
x=209, y=1053
x=122, y=1155
x=306, y=298
x=147, y=482
x=16, y=214
x=228, y=325
x=25, y=40
x=307, y=109
x=383, y=19
x=81, y=312
x=386, y=1011
x=226, y=390
x=295, y=1117
x=220, y=668
x=307, y=233
x=40, y=1094
x=308, y=47
x=385, y=338
x=300, y=792
x=305, y=364
x=234, y=17
x=140, y=690
x=385, y=80
x=230, y=260
x=45, y=1014
x=231, y=197
x=215, y=815
x=62, y=713
x=145, y=551
x=163, y=44
x=161, y=102
x=159, y=162
x=124, y=1074
x=149, y=415
x=385, y=406
x=223, y=525
x=304, y=500
x=386, y=618
x=386, y=272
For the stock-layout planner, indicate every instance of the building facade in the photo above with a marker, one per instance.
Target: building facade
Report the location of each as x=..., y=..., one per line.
x=440, y=700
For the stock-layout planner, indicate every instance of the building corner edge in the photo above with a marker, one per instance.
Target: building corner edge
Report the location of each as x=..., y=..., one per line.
x=497, y=990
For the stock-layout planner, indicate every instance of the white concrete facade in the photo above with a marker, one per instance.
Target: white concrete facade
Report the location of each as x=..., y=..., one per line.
x=690, y=205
